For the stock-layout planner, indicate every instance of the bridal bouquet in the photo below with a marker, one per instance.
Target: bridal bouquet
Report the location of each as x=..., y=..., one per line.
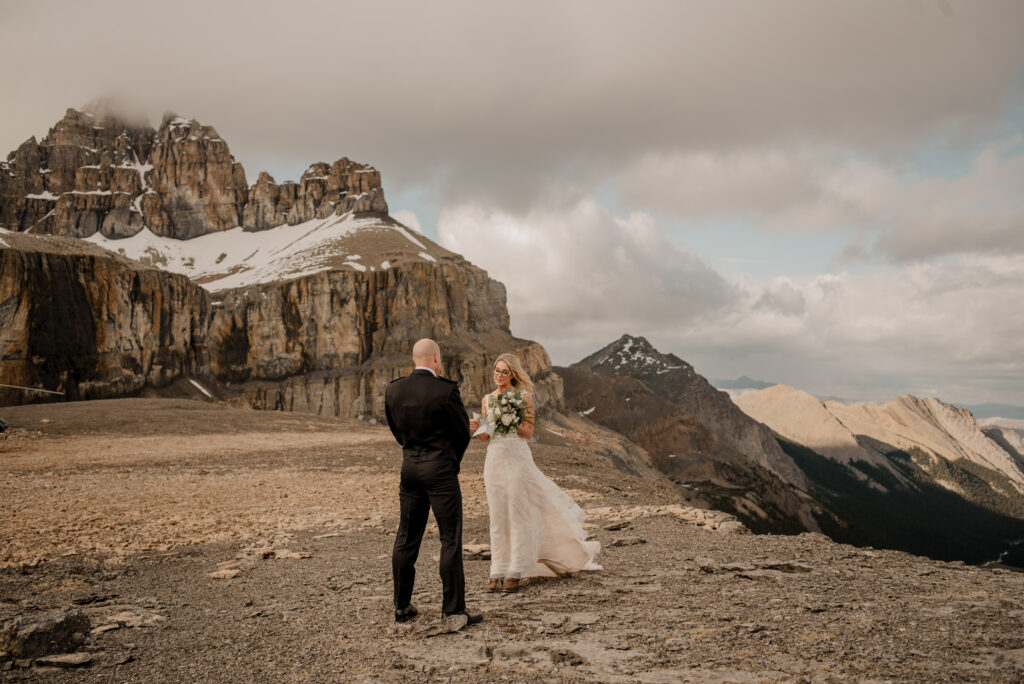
x=507, y=411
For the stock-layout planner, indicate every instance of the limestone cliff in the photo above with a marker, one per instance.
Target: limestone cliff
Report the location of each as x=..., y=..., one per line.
x=330, y=342
x=342, y=187
x=79, y=320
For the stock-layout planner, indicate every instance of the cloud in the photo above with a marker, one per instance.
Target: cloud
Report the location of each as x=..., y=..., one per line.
x=796, y=117
x=980, y=211
x=408, y=219
x=875, y=335
x=783, y=298
x=902, y=216
x=580, y=276
x=498, y=105
x=781, y=188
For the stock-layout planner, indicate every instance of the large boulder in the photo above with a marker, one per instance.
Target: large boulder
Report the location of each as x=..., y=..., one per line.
x=40, y=634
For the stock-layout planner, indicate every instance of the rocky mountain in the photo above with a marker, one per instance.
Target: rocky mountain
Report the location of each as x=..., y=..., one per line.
x=913, y=474
x=916, y=473
x=693, y=433
x=927, y=429
x=95, y=173
x=132, y=259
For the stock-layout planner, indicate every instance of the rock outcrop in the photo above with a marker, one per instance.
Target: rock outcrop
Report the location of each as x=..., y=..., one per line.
x=329, y=343
x=195, y=187
x=95, y=173
x=47, y=632
x=87, y=168
x=342, y=187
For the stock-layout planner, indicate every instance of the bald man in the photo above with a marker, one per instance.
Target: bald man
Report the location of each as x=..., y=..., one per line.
x=426, y=416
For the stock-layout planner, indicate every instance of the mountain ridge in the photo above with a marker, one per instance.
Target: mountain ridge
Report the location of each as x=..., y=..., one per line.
x=693, y=433
x=914, y=474
x=742, y=382
x=903, y=423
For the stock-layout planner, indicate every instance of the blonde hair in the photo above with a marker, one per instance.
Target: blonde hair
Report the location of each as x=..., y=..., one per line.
x=520, y=378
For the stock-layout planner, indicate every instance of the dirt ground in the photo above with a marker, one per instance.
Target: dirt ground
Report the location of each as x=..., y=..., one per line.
x=123, y=510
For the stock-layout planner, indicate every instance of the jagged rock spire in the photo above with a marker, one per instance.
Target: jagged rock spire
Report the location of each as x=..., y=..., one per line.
x=98, y=172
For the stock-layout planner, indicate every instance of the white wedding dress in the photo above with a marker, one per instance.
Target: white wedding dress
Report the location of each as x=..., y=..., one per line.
x=536, y=529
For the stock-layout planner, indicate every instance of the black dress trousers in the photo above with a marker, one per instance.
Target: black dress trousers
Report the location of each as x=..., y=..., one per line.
x=429, y=486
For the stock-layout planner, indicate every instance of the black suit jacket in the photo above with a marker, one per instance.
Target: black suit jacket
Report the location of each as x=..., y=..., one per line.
x=426, y=416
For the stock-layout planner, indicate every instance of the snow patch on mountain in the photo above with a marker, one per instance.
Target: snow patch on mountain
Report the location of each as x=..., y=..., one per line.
x=630, y=355
x=235, y=258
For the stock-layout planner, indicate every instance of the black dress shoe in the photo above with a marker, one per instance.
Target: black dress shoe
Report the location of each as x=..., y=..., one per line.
x=406, y=614
x=471, y=618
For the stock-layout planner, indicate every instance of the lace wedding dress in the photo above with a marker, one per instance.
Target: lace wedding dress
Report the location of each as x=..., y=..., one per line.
x=536, y=529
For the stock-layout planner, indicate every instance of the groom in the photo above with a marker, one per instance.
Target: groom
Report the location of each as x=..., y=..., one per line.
x=426, y=416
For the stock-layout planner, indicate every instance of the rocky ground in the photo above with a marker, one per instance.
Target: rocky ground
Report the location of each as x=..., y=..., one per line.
x=190, y=542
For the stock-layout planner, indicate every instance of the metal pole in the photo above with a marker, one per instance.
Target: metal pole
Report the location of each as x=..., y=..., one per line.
x=32, y=389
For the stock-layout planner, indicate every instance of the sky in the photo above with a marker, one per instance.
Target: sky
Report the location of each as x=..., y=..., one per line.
x=824, y=194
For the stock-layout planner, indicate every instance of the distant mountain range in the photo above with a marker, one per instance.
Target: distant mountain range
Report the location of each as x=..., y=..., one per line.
x=980, y=411
x=915, y=474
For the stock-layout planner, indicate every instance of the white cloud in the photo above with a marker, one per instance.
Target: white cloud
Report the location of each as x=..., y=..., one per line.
x=408, y=219
x=741, y=183
x=900, y=215
x=980, y=211
x=876, y=334
x=579, y=277
x=783, y=298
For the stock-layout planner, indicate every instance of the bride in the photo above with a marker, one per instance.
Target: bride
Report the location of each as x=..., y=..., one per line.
x=536, y=529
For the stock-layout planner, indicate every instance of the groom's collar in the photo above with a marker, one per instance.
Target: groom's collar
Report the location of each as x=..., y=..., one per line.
x=424, y=368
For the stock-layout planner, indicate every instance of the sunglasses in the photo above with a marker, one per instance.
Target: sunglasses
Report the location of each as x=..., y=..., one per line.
x=502, y=373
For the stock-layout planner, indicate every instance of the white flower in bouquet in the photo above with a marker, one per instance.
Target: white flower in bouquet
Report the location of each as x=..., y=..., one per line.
x=508, y=412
